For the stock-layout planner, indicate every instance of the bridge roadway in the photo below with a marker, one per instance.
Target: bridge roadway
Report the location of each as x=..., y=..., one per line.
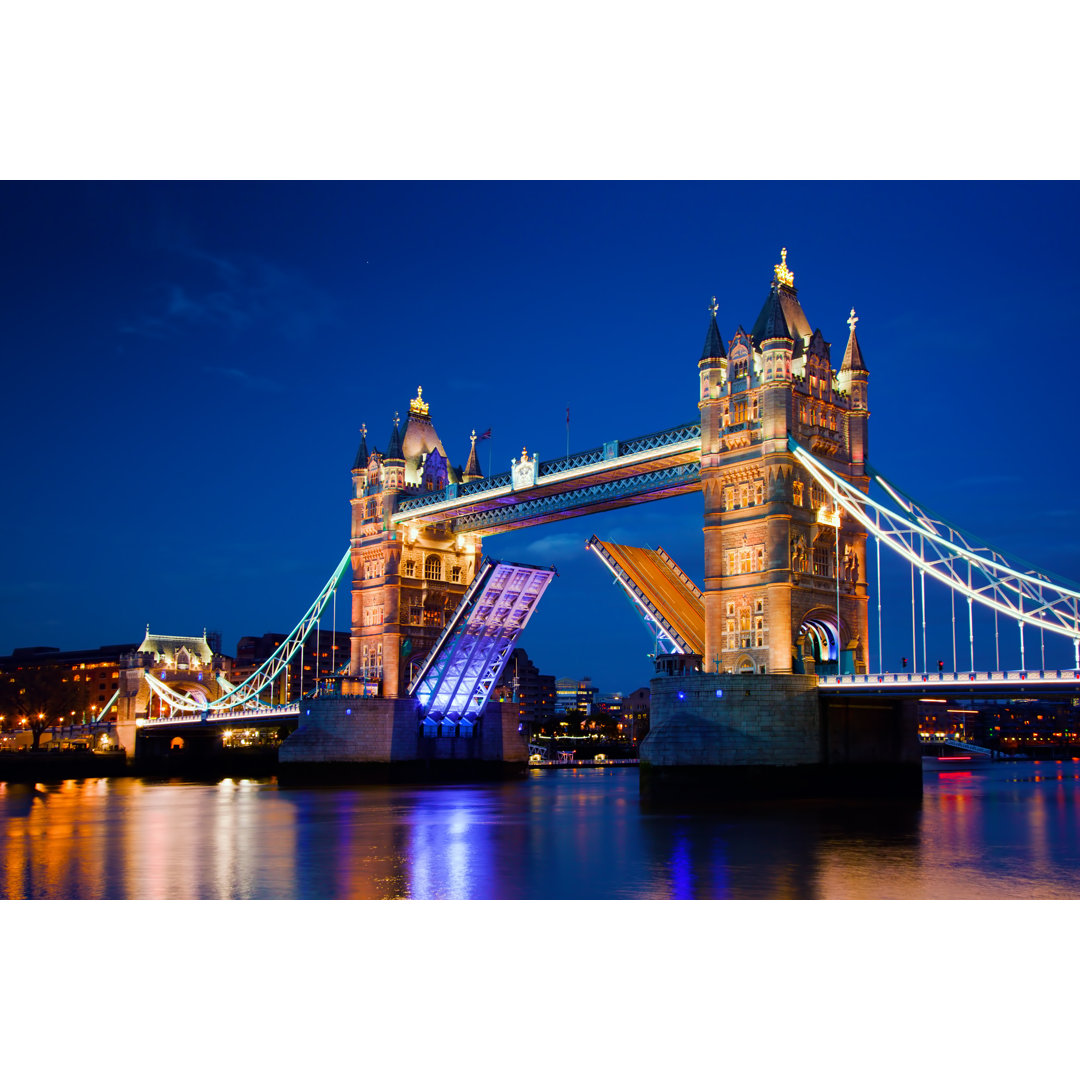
x=1064, y=682
x=225, y=718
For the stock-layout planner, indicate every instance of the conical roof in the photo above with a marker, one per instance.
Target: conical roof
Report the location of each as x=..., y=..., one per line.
x=853, y=360
x=772, y=321
x=714, y=345
x=393, y=449
x=472, y=466
x=362, y=454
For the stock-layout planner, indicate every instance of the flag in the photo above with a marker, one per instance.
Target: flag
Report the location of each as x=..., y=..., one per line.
x=485, y=435
x=567, y=415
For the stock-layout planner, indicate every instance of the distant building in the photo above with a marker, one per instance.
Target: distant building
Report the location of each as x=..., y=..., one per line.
x=636, y=710
x=95, y=671
x=523, y=682
x=575, y=695
x=323, y=655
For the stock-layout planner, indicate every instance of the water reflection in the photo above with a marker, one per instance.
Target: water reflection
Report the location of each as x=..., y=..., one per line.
x=1001, y=831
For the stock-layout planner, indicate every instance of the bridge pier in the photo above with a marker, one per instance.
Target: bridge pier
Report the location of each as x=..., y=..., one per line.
x=718, y=737
x=379, y=739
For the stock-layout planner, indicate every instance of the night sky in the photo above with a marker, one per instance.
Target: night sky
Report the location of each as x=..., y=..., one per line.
x=187, y=367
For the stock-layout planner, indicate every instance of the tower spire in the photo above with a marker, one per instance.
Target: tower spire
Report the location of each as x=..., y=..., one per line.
x=362, y=451
x=781, y=274
x=853, y=360
x=472, y=466
x=714, y=345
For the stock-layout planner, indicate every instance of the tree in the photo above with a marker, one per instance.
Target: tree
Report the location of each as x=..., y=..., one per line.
x=38, y=697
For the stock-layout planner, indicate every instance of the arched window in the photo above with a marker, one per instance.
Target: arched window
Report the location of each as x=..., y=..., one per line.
x=433, y=568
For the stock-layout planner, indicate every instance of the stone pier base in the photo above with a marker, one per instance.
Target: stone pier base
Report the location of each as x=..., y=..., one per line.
x=717, y=738
x=356, y=740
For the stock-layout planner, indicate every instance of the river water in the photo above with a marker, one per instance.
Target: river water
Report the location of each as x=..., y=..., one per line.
x=1004, y=830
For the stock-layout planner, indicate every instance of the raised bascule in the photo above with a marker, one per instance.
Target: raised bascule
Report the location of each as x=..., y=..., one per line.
x=780, y=454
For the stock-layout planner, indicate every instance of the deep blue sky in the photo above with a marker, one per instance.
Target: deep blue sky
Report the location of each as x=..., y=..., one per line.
x=186, y=367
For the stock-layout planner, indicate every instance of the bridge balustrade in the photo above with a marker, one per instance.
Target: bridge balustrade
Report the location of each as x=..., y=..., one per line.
x=893, y=678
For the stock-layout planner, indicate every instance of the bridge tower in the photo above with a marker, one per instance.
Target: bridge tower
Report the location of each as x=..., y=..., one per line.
x=785, y=573
x=407, y=580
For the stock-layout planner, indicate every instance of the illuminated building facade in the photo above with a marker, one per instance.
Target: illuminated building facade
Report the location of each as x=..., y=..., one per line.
x=785, y=586
x=407, y=580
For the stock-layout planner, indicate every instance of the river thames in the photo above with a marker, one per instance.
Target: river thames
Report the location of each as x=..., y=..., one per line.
x=1005, y=830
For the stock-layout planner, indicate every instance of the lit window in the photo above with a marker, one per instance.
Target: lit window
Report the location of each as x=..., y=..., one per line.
x=433, y=568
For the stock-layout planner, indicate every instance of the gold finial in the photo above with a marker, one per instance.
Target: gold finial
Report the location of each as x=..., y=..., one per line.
x=473, y=436
x=524, y=454
x=397, y=418
x=714, y=307
x=363, y=430
x=418, y=406
x=783, y=275
x=852, y=320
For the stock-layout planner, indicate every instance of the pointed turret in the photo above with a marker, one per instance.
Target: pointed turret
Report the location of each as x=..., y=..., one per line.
x=712, y=367
x=393, y=449
x=362, y=454
x=472, y=466
x=714, y=346
x=853, y=380
x=853, y=360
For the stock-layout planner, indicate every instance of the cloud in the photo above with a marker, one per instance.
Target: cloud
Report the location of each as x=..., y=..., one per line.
x=234, y=295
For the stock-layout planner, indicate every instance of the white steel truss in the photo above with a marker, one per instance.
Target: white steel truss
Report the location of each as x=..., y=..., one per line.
x=268, y=672
x=455, y=681
x=940, y=550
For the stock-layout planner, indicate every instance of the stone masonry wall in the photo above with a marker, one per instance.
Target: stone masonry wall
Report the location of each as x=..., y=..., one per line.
x=716, y=719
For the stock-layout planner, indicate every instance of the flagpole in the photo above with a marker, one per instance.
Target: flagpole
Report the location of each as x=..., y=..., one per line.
x=567, y=431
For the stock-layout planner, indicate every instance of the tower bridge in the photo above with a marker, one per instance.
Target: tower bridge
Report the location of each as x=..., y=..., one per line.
x=780, y=454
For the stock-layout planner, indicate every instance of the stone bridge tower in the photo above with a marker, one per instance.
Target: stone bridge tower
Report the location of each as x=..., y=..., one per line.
x=785, y=573
x=407, y=581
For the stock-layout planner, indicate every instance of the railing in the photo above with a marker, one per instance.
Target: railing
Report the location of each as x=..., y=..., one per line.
x=597, y=455
x=265, y=714
x=1056, y=676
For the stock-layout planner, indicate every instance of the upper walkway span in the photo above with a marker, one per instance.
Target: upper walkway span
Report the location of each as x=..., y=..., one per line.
x=619, y=473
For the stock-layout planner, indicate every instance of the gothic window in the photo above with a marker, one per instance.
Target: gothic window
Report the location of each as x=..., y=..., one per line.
x=796, y=492
x=731, y=563
x=455, y=575
x=759, y=631
x=432, y=618
x=370, y=511
x=744, y=495
x=755, y=408
x=759, y=606
x=759, y=558
x=821, y=561
x=732, y=642
x=738, y=411
x=731, y=608
x=429, y=484
x=744, y=561
x=816, y=496
x=759, y=492
x=729, y=498
x=409, y=568
x=744, y=628
x=433, y=568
